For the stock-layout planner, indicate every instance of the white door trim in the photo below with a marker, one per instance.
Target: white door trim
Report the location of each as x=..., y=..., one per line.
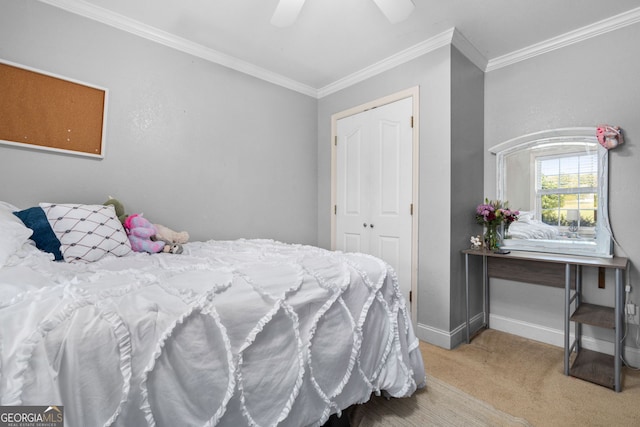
x=413, y=93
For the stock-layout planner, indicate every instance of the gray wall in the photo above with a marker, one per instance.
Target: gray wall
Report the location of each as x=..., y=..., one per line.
x=191, y=144
x=467, y=129
x=585, y=84
x=432, y=73
x=450, y=157
x=203, y=148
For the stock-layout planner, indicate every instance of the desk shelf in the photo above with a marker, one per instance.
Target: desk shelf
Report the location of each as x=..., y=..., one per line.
x=589, y=365
x=595, y=315
x=594, y=367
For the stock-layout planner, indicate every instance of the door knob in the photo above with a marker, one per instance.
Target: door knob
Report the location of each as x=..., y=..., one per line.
x=371, y=225
x=364, y=225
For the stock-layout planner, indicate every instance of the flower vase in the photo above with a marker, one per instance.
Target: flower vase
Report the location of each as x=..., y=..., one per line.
x=492, y=237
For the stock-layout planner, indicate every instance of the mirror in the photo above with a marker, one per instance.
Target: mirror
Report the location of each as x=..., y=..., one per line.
x=558, y=180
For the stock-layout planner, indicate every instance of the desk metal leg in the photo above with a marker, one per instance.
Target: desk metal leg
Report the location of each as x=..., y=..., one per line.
x=485, y=286
x=578, y=298
x=618, y=321
x=485, y=298
x=466, y=289
x=567, y=315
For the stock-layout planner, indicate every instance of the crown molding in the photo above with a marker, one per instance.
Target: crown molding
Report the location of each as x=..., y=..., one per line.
x=415, y=51
x=121, y=22
x=601, y=27
x=468, y=50
x=449, y=37
x=107, y=17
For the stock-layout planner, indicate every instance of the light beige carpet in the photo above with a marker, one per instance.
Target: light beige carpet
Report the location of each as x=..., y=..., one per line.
x=439, y=404
x=501, y=380
x=525, y=378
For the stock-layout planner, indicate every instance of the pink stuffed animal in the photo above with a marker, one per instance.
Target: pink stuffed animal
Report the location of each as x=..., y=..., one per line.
x=609, y=136
x=140, y=231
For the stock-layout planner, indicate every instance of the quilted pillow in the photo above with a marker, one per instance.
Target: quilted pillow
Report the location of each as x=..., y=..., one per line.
x=43, y=236
x=87, y=233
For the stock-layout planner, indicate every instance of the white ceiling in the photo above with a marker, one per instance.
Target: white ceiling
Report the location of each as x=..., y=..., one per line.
x=334, y=40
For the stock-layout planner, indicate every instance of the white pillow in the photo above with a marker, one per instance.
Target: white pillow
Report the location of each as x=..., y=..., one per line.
x=6, y=206
x=87, y=233
x=13, y=234
x=527, y=216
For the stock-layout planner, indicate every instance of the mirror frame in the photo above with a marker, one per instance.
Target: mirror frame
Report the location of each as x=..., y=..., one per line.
x=603, y=246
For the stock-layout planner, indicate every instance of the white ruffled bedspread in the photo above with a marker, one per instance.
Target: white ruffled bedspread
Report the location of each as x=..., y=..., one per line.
x=532, y=229
x=230, y=333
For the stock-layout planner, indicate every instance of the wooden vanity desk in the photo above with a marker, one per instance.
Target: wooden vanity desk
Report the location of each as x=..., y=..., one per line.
x=563, y=271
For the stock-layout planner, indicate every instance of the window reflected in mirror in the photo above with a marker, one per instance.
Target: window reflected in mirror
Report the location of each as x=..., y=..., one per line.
x=558, y=181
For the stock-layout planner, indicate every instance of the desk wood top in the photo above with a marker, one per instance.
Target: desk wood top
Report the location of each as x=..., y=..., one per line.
x=613, y=262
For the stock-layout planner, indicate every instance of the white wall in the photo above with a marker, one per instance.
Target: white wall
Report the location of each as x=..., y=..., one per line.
x=585, y=84
x=191, y=144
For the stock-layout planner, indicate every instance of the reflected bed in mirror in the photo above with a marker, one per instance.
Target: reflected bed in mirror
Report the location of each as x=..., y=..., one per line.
x=558, y=179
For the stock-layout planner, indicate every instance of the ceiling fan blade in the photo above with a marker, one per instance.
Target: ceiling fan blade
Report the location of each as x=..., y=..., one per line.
x=286, y=12
x=395, y=10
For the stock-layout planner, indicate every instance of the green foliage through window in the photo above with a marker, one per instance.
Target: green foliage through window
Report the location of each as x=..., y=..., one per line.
x=567, y=188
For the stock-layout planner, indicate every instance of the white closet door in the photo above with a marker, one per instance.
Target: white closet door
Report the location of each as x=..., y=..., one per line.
x=352, y=171
x=374, y=186
x=391, y=188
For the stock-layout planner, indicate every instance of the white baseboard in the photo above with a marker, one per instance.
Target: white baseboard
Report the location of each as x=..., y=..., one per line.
x=452, y=339
x=434, y=336
x=556, y=337
x=446, y=339
x=528, y=330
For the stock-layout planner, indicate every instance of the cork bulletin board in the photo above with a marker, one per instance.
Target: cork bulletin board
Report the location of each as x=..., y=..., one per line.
x=48, y=112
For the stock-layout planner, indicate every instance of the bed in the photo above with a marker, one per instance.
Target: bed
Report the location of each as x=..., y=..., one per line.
x=229, y=333
x=533, y=230
x=527, y=227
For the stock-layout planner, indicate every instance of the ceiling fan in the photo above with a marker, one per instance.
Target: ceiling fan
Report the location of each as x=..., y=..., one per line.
x=395, y=10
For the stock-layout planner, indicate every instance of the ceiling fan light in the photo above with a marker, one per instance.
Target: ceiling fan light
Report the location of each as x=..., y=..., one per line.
x=395, y=10
x=286, y=13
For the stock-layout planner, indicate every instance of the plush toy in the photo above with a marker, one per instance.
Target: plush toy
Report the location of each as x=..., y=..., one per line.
x=140, y=232
x=119, y=207
x=162, y=239
x=609, y=136
x=168, y=235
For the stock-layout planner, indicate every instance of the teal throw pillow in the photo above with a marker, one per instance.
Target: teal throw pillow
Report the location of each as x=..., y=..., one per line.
x=43, y=235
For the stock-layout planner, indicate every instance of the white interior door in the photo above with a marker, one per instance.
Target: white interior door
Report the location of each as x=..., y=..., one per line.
x=374, y=160
x=352, y=228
